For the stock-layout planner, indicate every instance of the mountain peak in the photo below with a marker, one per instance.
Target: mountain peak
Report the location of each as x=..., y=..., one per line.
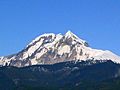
x=41, y=36
x=70, y=34
x=55, y=48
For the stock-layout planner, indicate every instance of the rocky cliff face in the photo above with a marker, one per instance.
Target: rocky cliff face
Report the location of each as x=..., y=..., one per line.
x=51, y=49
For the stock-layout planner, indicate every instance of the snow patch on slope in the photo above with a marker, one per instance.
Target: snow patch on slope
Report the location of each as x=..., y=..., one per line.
x=64, y=49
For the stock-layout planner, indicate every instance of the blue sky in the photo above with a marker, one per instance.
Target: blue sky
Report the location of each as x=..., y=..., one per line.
x=96, y=21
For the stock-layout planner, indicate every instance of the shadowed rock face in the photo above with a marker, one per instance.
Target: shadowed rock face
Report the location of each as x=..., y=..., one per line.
x=51, y=49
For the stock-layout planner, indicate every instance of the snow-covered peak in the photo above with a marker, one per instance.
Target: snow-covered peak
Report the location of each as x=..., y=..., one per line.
x=54, y=48
x=59, y=45
x=52, y=35
x=69, y=34
x=75, y=38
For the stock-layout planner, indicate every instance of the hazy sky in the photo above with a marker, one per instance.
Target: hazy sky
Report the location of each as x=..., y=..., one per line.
x=96, y=21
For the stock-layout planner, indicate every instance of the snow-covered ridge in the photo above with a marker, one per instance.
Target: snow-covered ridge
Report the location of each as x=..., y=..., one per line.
x=54, y=48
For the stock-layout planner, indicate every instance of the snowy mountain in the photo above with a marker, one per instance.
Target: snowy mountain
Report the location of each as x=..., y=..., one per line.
x=51, y=48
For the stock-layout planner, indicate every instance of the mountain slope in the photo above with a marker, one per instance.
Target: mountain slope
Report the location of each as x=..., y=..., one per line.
x=62, y=76
x=51, y=49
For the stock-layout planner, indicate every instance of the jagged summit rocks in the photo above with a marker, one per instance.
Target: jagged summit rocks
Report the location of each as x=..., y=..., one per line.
x=55, y=48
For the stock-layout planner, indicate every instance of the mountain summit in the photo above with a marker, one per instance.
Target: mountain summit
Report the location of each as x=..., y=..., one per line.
x=55, y=48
